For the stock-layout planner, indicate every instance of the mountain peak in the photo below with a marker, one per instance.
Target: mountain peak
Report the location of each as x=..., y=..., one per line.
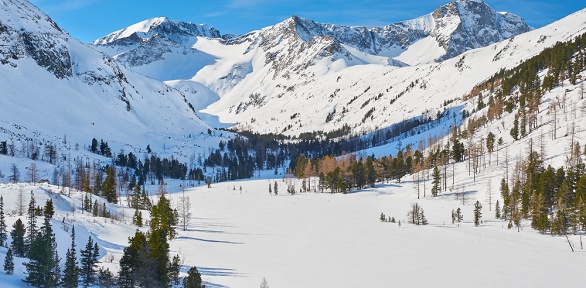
x=161, y=26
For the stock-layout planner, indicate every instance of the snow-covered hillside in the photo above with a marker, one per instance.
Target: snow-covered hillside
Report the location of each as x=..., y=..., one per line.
x=329, y=94
x=303, y=62
x=55, y=87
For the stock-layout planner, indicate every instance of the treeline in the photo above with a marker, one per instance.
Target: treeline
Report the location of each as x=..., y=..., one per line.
x=347, y=172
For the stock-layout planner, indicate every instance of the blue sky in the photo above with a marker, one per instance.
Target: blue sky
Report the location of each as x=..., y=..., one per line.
x=88, y=20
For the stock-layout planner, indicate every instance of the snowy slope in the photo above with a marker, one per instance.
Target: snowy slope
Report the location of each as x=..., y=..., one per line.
x=53, y=85
x=348, y=93
x=252, y=70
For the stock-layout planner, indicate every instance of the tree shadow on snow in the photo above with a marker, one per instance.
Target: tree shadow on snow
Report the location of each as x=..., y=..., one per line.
x=207, y=240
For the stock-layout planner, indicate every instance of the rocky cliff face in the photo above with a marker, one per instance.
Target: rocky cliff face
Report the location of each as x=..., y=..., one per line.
x=34, y=35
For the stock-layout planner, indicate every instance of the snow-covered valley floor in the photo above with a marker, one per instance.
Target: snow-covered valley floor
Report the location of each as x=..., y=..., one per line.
x=238, y=237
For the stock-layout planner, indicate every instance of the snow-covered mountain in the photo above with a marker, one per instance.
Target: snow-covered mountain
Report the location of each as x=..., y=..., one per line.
x=331, y=93
x=54, y=85
x=301, y=59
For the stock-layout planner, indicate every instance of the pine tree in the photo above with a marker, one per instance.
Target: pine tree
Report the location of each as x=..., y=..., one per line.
x=435, y=188
x=193, y=279
x=459, y=216
x=71, y=272
x=95, y=208
x=3, y=231
x=9, y=262
x=276, y=190
x=43, y=269
x=497, y=208
x=137, y=218
x=106, y=278
x=163, y=218
x=174, y=270
x=264, y=283
x=88, y=263
x=49, y=209
x=477, y=213
x=32, y=223
x=17, y=235
x=109, y=186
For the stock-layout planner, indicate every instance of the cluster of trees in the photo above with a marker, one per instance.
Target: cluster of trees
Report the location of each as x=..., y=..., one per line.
x=39, y=245
x=416, y=215
x=345, y=173
x=100, y=149
x=146, y=261
x=554, y=199
x=31, y=149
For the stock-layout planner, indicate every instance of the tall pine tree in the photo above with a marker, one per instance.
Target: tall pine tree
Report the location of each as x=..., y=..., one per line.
x=3, y=231
x=193, y=279
x=89, y=258
x=9, y=262
x=17, y=235
x=71, y=272
x=31, y=222
x=477, y=213
x=43, y=268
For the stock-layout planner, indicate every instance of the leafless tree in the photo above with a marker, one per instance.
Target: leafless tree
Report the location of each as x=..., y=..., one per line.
x=184, y=210
x=489, y=195
x=20, y=202
x=33, y=173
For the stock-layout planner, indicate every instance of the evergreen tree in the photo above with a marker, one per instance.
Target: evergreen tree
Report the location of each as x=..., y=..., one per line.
x=477, y=213
x=163, y=218
x=43, y=268
x=9, y=262
x=159, y=254
x=193, y=279
x=109, y=186
x=17, y=235
x=137, y=218
x=106, y=278
x=497, y=208
x=435, y=188
x=459, y=216
x=95, y=208
x=89, y=258
x=71, y=272
x=3, y=230
x=264, y=283
x=136, y=265
x=49, y=209
x=174, y=270
x=32, y=223
x=276, y=190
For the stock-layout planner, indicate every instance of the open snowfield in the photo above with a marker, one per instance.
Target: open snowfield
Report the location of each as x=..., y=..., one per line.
x=332, y=240
x=325, y=240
